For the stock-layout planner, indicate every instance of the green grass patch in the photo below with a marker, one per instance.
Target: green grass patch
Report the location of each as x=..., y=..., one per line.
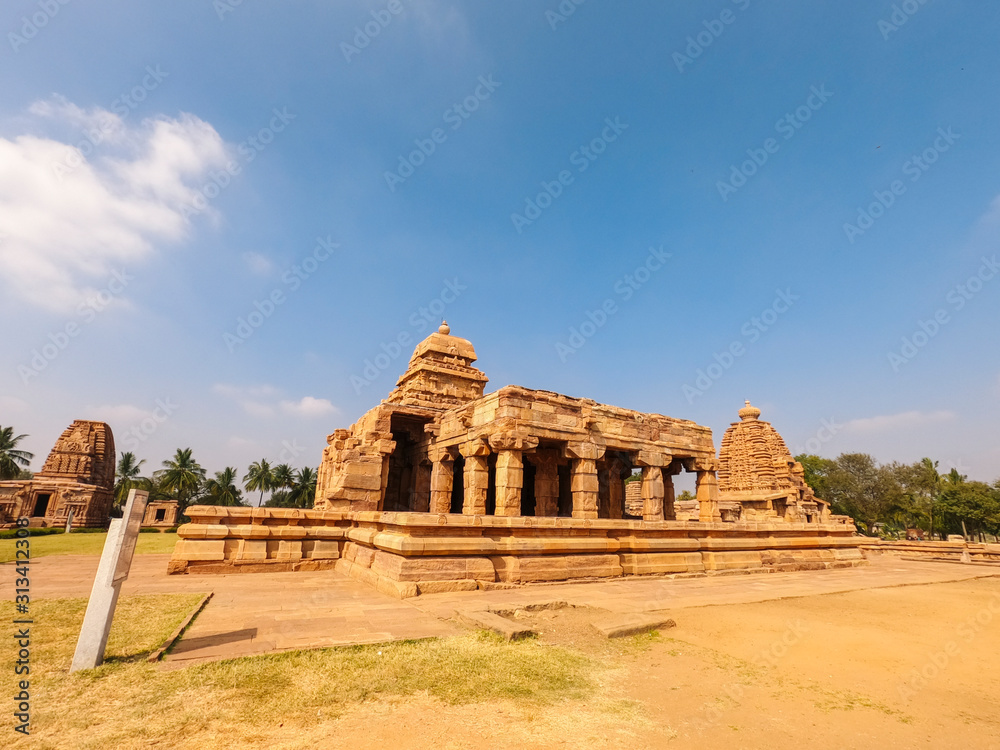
x=86, y=544
x=128, y=702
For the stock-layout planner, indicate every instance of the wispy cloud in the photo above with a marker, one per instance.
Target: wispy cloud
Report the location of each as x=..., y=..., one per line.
x=69, y=219
x=895, y=422
x=266, y=401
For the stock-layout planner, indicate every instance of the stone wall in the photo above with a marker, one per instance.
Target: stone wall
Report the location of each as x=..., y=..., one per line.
x=405, y=554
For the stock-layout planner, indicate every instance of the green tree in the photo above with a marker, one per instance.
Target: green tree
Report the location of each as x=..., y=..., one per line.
x=816, y=469
x=11, y=459
x=259, y=478
x=857, y=486
x=127, y=478
x=282, y=477
x=970, y=507
x=303, y=492
x=183, y=476
x=222, y=490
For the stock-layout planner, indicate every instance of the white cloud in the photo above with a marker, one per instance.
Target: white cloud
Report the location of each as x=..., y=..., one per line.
x=308, y=406
x=119, y=414
x=257, y=263
x=11, y=405
x=265, y=401
x=67, y=221
x=895, y=422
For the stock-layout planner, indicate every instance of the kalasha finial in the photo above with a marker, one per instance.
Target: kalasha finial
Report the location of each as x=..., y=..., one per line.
x=444, y=328
x=749, y=412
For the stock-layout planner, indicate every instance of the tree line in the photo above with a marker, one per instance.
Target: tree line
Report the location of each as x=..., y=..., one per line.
x=182, y=479
x=889, y=499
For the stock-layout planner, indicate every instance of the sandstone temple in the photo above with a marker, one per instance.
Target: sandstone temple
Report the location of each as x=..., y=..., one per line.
x=442, y=487
x=78, y=477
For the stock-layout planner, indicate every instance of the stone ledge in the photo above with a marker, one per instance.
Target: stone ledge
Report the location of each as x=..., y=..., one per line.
x=495, y=623
x=632, y=625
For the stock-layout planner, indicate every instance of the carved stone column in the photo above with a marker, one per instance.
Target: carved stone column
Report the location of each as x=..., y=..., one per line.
x=669, y=512
x=652, y=493
x=707, y=493
x=442, y=481
x=546, y=482
x=616, y=490
x=422, y=487
x=477, y=477
x=583, y=480
x=509, y=445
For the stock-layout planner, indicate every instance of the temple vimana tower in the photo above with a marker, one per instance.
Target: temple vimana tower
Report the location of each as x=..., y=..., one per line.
x=443, y=487
x=78, y=477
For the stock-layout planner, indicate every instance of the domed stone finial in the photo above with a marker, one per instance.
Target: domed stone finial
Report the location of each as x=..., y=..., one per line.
x=444, y=328
x=749, y=412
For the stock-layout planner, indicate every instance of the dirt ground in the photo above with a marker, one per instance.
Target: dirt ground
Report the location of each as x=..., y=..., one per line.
x=905, y=667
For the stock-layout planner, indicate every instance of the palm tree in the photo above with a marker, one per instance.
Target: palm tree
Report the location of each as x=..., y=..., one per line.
x=282, y=477
x=222, y=489
x=183, y=475
x=259, y=477
x=10, y=457
x=303, y=491
x=127, y=477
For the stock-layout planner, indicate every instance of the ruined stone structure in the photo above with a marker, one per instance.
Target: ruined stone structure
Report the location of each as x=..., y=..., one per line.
x=160, y=514
x=758, y=475
x=440, y=487
x=78, y=476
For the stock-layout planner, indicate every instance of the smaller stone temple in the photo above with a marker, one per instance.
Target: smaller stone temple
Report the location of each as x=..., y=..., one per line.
x=78, y=477
x=160, y=514
x=760, y=479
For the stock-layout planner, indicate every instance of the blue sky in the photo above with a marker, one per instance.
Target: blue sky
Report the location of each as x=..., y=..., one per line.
x=667, y=207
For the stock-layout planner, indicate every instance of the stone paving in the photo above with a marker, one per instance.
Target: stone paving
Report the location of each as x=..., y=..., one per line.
x=268, y=612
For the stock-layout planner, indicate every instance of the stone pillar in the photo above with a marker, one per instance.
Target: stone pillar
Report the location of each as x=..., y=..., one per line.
x=510, y=479
x=583, y=477
x=442, y=479
x=509, y=446
x=652, y=493
x=546, y=483
x=652, y=463
x=616, y=492
x=422, y=488
x=477, y=477
x=669, y=512
x=707, y=493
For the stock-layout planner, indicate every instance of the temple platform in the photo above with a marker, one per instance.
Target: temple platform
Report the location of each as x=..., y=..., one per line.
x=407, y=554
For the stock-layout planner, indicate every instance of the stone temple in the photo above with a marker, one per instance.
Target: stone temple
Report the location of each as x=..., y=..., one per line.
x=78, y=477
x=441, y=488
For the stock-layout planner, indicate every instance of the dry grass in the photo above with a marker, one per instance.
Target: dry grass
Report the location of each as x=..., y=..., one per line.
x=86, y=544
x=130, y=703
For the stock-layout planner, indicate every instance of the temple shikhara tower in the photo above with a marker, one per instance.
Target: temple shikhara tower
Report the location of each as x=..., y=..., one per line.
x=78, y=477
x=757, y=471
x=443, y=487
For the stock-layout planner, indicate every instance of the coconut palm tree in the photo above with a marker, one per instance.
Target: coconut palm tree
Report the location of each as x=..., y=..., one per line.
x=127, y=477
x=222, y=489
x=282, y=477
x=303, y=492
x=259, y=477
x=182, y=475
x=12, y=459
